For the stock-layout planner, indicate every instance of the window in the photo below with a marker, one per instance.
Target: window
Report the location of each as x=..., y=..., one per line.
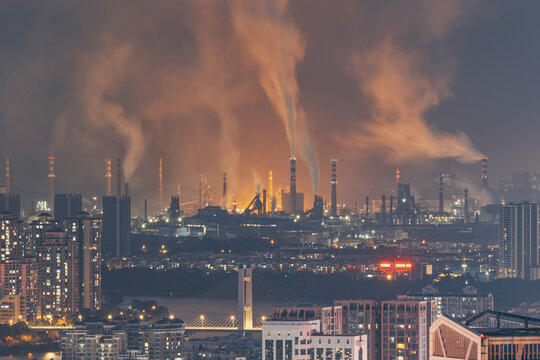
x=269, y=350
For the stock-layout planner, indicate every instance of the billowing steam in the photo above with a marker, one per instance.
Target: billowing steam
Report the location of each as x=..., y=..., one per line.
x=400, y=91
x=276, y=46
x=99, y=74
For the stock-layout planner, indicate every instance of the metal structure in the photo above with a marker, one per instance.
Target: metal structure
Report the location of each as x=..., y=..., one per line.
x=334, y=188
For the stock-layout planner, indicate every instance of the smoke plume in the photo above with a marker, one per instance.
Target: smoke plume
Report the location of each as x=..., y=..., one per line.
x=276, y=46
x=400, y=85
x=99, y=74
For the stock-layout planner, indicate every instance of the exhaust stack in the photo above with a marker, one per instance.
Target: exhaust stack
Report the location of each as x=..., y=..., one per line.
x=8, y=189
x=224, y=186
x=383, y=210
x=51, y=182
x=119, y=177
x=271, y=191
x=441, y=194
x=108, y=176
x=484, y=175
x=293, y=185
x=160, y=183
x=334, y=188
x=466, y=206
x=201, y=184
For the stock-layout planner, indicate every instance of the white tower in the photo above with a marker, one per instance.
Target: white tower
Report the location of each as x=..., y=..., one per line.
x=245, y=298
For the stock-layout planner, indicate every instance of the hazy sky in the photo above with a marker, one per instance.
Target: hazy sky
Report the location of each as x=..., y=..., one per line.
x=230, y=86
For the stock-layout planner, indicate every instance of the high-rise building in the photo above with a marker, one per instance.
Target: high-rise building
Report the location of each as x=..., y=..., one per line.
x=163, y=340
x=11, y=203
x=116, y=226
x=81, y=342
x=363, y=317
x=67, y=206
x=58, y=275
x=245, y=298
x=20, y=277
x=405, y=328
x=518, y=241
x=11, y=237
x=124, y=340
x=86, y=231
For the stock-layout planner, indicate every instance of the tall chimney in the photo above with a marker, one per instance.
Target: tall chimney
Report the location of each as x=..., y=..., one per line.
x=466, y=206
x=51, y=182
x=391, y=210
x=264, y=202
x=145, y=210
x=119, y=177
x=271, y=190
x=160, y=183
x=225, y=187
x=108, y=176
x=293, y=185
x=383, y=210
x=367, y=206
x=334, y=188
x=484, y=176
x=441, y=194
x=201, y=184
x=8, y=184
x=126, y=189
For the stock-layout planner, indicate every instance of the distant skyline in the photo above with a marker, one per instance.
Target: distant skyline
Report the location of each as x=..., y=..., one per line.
x=421, y=86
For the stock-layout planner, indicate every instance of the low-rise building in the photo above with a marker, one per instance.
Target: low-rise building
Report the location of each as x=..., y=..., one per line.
x=457, y=341
x=331, y=317
x=302, y=340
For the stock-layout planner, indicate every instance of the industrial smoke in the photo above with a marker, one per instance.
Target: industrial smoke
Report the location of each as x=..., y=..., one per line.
x=276, y=46
x=401, y=81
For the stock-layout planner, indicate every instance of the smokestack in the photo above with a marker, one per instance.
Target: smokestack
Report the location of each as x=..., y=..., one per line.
x=225, y=187
x=466, y=206
x=413, y=210
x=484, y=176
x=391, y=210
x=293, y=185
x=383, y=210
x=8, y=185
x=334, y=188
x=126, y=189
x=201, y=184
x=441, y=194
x=367, y=206
x=108, y=175
x=160, y=182
x=271, y=190
x=51, y=182
x=119, y=177
x=264, y=201
x=145, y=210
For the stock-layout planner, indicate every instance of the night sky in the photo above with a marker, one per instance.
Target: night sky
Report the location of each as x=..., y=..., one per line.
x=230, y=86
